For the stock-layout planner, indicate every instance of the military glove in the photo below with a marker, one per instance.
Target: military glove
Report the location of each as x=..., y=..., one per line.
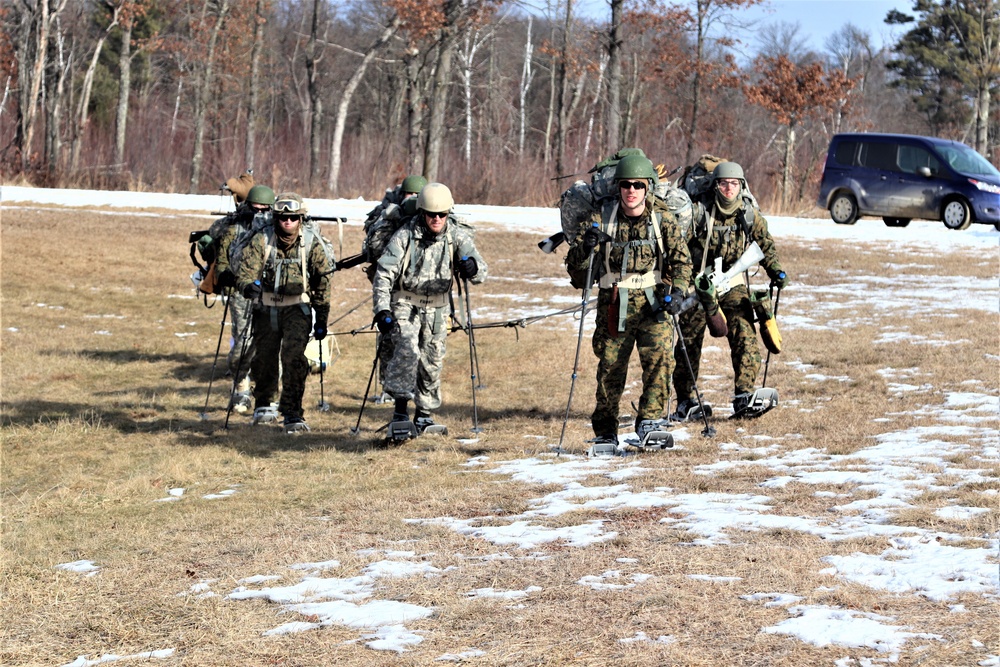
x=467, y=268
x=319, y=327
x=226, y=279
x=674, y=302
x=253, y=290
x=385, y=321
x=594, y=236
x=778, y=278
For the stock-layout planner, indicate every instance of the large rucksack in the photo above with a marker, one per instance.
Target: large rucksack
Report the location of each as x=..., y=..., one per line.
x=582, y=200
x=379, y=230
x=206, y=243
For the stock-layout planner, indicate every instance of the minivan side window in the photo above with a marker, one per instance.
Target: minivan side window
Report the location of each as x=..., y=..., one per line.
x=912, y=158
x=879, y=156
x=845, y=152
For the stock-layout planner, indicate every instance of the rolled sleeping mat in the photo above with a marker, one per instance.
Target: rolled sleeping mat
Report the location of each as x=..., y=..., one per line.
x=714, y=318
x=769, y=333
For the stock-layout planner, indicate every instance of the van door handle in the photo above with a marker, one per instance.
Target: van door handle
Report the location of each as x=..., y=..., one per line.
x=882, y=178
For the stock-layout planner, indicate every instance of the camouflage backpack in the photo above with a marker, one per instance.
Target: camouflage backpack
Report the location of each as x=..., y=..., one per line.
x=581, y=200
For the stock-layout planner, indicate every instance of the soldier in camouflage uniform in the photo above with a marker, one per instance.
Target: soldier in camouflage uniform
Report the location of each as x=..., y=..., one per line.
x=643, y=271
x=735, y=222
x=410, y=293
x=398, y=204
x=258, y=202
x=285, y=271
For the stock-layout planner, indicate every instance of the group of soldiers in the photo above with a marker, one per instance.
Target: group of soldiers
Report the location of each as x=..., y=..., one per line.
x=280, y=295
x=642, y=261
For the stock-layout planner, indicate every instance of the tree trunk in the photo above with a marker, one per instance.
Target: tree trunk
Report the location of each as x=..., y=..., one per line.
x=692, y=143
x=526, y=75
x=615, y=138
x=315, y=101
x=345, y=103
x=124, y=88
x=83, y=110
x=983, y=116
x=201, y=108
x=55, y=87
x=787, y=170
x=253, y=99
x=414, y=105
x=439, y=91
x=562, y=81
x=31, y=68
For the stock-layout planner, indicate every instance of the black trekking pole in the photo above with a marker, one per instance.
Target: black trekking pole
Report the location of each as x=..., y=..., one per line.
x=218, y=346
x=767, y=362
x=478, y=375
x=247, y=333
x=323, y=405
x=579, y=340
x=356, y=429
x=708, y=431
x=473, y=359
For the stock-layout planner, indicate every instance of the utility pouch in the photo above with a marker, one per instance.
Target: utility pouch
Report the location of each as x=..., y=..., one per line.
x=613, y=306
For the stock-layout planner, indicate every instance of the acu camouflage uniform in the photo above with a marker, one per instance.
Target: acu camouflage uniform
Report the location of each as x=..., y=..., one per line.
x=648, y=329
x=282, y=320
x=413, y=280
x=232, y=226
x=729, y=239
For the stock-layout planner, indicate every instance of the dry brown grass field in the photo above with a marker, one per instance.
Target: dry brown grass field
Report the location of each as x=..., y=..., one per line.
x=105, y=363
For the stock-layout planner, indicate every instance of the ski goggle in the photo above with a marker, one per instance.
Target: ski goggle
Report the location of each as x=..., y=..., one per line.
x=634, y=185
x=287, y=206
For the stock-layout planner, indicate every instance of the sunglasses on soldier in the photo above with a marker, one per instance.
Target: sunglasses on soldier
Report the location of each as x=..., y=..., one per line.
x=633, y=185
x=443, y=214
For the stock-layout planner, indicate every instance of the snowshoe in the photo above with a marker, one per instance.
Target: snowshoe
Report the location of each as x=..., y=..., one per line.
x=295, y=425
x=689, y=410
x=382, y=398
x=753, y=405
x=652, y=434
x=265, y=415
x=241, y=402
x=401, y=429
x=426, y=426
x=603, y=446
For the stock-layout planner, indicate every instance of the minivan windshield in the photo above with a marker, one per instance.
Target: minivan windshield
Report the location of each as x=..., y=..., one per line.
x=967, y=161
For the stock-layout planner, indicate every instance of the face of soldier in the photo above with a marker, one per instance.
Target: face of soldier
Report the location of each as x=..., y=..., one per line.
x=289, y=224
x=435, y=221
x=633, y=196
x=728, y=188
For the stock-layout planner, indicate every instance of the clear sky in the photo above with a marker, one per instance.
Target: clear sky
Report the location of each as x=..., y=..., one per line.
x=818, y=18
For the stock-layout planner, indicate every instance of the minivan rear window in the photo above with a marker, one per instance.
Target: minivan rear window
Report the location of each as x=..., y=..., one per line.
x=879, y=156
x=845, y=152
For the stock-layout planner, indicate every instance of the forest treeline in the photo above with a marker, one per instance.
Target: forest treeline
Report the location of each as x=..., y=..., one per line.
x=342, y=99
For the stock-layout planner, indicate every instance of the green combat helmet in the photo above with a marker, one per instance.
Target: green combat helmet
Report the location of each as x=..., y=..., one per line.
x=413, y=184
x=260, y=194
x=635, y=166
x=728, y=170
x=435, y=198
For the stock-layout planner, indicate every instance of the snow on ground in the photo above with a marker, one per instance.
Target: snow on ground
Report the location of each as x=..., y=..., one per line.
x=875, y=483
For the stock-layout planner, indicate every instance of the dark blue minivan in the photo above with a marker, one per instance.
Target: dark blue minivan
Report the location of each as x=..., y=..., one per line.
x=900, y=177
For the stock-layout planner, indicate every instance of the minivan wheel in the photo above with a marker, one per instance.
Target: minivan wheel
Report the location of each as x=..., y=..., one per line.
x=844, y=209
x=956, y=214
x=896, y=222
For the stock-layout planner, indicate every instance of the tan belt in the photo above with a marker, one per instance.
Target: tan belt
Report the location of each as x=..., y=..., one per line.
x=278, y=300
x=422, y=300
x=631, y=280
